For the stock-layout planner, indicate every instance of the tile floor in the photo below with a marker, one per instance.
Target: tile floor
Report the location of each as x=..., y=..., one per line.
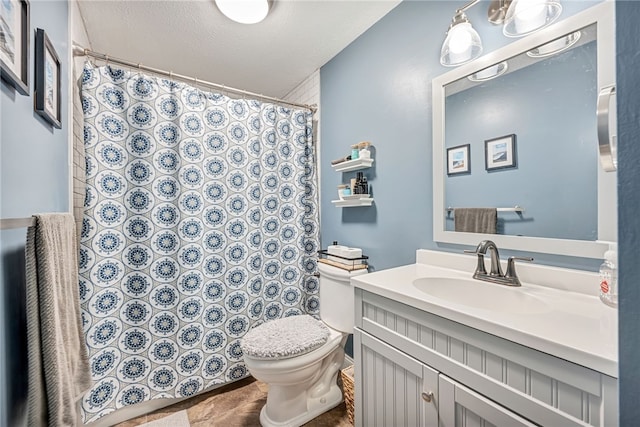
x=234, y=405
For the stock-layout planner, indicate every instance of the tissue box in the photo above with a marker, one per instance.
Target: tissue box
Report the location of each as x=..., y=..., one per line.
x=338, y=250
x=348, y=255
x=352, y=252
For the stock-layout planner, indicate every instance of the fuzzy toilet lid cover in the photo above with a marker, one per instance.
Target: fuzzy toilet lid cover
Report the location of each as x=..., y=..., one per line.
x=286, y=337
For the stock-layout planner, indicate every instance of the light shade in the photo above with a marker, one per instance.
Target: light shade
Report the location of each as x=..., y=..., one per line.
x=490, y=72
x=244, y=11
x=527, y=16
x=555, y=46
x=462, y=43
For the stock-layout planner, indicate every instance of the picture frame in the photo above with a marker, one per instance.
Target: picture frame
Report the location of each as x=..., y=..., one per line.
x=458, y=160
x=500, y=153
x=47, y=77
x=14, y=44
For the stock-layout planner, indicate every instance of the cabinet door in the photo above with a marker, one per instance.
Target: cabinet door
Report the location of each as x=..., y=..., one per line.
x=392, y=389
x=462, y=407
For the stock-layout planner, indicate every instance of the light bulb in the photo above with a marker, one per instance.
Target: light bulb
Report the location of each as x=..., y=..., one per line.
x=461, y=45
x=527, y=16
x=527, y=10
x=461, y=38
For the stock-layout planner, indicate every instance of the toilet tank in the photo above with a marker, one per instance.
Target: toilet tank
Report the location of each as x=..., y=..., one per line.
x=337, y=308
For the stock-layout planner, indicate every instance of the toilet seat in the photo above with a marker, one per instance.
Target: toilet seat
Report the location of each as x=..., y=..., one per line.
x=285, y=338
x=286, y=364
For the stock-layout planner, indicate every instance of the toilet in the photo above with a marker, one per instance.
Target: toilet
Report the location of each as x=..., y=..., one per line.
x=299, y=357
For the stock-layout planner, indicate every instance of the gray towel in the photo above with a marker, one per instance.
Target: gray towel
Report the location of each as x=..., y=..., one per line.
x=58, y=365
x=475, y=220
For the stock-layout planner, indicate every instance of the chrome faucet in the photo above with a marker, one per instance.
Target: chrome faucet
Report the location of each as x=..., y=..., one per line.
x=510, y=278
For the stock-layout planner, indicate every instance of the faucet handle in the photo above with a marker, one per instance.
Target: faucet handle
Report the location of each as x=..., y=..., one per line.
x=511, y=267
x=520, y=258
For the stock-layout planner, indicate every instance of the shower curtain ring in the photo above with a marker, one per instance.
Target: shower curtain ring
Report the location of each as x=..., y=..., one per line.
x=170, y=75
x=106, y=58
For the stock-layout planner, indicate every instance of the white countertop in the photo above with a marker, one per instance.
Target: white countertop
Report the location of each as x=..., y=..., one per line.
x=574, y=325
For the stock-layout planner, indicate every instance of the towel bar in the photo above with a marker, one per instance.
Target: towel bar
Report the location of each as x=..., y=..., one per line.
x=9, y=223
x=516, y=208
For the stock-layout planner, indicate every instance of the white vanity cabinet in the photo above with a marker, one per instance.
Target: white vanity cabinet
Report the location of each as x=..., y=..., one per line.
x=395, y=384
x=398, y=390
x=462, y=407
x=404, y=355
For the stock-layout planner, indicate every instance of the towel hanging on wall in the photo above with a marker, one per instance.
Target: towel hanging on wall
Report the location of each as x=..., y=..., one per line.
x=58, y=367
x=476, y=220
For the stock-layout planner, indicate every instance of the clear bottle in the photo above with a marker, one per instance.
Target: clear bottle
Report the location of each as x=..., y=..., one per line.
x=609, y=278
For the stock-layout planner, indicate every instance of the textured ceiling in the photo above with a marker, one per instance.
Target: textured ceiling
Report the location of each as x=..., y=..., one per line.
x=193, y=38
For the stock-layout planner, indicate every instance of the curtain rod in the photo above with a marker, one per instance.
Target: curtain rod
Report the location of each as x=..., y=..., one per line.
x=81, y=51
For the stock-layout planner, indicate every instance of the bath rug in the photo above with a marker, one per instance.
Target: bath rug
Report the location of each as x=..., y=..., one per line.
x=179, y=419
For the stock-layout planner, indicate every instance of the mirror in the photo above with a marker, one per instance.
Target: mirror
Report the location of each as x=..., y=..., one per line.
x=521, y=122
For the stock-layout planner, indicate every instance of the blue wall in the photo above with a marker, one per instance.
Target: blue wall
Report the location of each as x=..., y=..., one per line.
x=628, y=64
x=555, y=142
x=33, y=178
x=378, y=89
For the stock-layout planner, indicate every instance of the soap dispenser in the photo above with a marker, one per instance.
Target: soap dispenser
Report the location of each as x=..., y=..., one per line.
x=609, y=277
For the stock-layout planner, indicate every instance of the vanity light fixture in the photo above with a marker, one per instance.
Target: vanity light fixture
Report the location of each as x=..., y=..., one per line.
x=517, y=17
x=527, y=16
x=490, y=72
x=498, y=11
x=462, y=43
x=555, y=46
x=244, y=11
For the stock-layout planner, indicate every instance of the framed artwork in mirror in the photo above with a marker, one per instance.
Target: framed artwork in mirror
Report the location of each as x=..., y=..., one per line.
x=14, y=44
x=47, y=75
x=458, y=160
x=500, y=153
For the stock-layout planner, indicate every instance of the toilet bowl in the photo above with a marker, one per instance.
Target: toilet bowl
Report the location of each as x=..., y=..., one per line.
x=299, y=357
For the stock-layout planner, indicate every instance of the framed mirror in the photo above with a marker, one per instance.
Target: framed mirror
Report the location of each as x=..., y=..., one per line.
x=527, y=112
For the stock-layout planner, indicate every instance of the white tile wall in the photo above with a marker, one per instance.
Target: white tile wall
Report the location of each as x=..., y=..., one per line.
x=79, y=36
x=308, y=92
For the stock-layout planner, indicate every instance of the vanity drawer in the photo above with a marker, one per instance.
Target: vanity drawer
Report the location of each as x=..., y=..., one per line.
x=542, y=388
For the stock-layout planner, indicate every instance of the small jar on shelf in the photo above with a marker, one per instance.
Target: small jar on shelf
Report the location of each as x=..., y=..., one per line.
x=343, y=190
x=363, y=150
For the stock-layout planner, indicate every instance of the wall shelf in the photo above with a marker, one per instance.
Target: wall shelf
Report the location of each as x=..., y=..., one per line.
x=353, y=203
x=352, y=165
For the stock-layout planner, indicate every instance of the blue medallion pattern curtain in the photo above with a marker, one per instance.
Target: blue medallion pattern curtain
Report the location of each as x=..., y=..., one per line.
x=201, y=221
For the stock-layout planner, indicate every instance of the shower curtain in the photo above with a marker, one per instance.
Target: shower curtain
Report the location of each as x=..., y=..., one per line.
x=201, y=221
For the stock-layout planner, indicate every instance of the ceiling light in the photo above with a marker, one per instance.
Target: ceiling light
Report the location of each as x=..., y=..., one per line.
x=244, y=11
x=462, y=43
x=527, y=16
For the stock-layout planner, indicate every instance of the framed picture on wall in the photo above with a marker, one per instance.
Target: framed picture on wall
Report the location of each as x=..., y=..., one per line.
x=458, y=161
x=14, y=44
x=47, y=75
x=500, y=153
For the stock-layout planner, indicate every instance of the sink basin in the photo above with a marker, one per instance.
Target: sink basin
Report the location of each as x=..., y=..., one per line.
x=482, y=295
